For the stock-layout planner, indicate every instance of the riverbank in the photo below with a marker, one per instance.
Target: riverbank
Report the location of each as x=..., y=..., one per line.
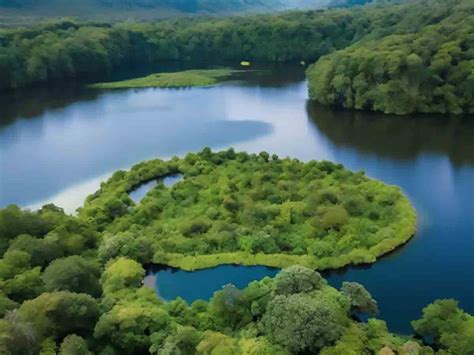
x=227, y=210
x=407, y=230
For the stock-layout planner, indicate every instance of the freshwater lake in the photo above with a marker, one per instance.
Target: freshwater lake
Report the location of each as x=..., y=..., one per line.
x=58, y=145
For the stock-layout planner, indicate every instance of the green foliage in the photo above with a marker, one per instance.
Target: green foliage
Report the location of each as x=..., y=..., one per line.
x=55, y=52
x=53, y=235
x=183, y=340
x=48, y=347
x=171, y=80
x=334, y=217
x=71, y=237
x=374, y=338
x=217, y=343
x=450, y=327
x=309, y=317
x=229, y=208
x=230, y=309
x=14, y=222
x=57, y=314
x=6, y=305
x=411, y=70
x=414, y=57
x=302, y=323
x=73, y=273
x=129, y=244
x=25, y=285
x=17, y=335
x=24, y=10
x=120, y=274
x=250, y=209
x=74, y=345
x=131, y=326
x=361, y=300
x=297, y=279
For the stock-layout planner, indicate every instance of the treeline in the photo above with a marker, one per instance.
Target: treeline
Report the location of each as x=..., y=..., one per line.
x=181, y=5
x=57, y=297
x=431, y=70
x=80, y=51
x=249, y=209
x=185, y=6
x=74, y=284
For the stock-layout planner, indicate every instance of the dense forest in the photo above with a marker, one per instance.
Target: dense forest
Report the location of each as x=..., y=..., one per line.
x=153, y=9
x=181, y=5
x=250, y=209
x=385, y=45
x=60, y=51
x=73, y=284
x=431, y=70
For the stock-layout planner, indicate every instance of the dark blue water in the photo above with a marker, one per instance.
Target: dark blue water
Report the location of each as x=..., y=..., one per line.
x=58, y=146
x=194, y=285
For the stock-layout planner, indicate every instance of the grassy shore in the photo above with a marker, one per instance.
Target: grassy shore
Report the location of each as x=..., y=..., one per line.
x=188, y=78
x=406, y=229
x=248, y=209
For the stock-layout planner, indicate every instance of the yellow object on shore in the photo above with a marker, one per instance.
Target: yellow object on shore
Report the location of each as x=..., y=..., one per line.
x=245, y=63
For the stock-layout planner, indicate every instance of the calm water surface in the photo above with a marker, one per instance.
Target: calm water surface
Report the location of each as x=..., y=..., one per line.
x=58, y=145
x=193, y=285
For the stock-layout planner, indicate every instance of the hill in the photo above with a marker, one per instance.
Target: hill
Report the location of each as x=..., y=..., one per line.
x=15, y=10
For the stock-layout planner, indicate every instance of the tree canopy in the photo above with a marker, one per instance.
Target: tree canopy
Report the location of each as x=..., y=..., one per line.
x=428, y=70
x=396, y=58
x=249, y=209
x=74, y=284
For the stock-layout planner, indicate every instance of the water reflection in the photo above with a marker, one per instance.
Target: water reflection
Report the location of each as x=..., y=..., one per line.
x=43, y=156
x=36, y=102
x=170, y=283
x=395, y=137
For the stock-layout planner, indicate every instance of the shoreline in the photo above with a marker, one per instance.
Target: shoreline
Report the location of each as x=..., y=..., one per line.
x=200, y=262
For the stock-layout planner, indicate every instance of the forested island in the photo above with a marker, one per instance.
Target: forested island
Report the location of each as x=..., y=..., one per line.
x=401, y=58
x=74, y=284
x=240, y=208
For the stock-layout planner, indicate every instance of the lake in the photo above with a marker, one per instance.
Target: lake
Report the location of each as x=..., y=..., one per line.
x=58, y=145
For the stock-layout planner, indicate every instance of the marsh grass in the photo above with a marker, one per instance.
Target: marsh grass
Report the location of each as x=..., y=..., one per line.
x=188, y=78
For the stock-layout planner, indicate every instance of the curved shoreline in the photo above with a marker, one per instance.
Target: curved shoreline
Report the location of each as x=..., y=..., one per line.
x=401, y=226
x=199, y=262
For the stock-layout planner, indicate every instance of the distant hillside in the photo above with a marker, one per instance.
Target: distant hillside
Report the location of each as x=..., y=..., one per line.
x=143, y=9
x=185, y=6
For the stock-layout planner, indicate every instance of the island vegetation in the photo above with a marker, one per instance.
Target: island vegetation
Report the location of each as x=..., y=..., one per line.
x=384, y=45
x=251, y=209
x=186, y=78
x=74, y=284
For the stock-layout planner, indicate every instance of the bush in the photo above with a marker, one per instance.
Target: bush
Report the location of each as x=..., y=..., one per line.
x=302, y=323
x=297, y=279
